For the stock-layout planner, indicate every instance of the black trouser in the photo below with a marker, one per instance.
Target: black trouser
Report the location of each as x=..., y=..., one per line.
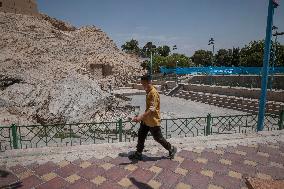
x=156, y=133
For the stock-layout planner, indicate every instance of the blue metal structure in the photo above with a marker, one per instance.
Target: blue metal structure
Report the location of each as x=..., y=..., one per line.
x=272, y=5
x=220, y=70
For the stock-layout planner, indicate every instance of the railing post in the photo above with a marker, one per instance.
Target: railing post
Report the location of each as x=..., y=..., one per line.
x=15, y=136
x=70, y=135
x=120, y=129
x=281, y=120
x=166, y=129
x=208, y=125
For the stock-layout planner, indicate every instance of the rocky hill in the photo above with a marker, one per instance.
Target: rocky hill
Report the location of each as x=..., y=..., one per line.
x=52, y=72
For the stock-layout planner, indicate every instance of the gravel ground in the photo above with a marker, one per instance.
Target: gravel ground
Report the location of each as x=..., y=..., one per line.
x=176, y=107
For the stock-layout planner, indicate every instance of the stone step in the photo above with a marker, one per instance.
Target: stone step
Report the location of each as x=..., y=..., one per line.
x=125, y=88
x=238, y=103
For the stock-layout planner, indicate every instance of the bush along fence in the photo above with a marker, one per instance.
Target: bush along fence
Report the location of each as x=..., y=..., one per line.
x=33, y=136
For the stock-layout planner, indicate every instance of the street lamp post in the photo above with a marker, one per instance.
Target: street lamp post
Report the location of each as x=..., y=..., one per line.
x=176, y=72
x=151, y=63
x=175, y=48
x=212, y=42
x=151, y=60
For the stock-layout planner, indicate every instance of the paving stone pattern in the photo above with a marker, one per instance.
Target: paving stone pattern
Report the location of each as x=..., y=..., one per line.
x=208, y=168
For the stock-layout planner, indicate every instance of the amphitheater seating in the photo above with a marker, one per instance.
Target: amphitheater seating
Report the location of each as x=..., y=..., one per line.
x=231, y=102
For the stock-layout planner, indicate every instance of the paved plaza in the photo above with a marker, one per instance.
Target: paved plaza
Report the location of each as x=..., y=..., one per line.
x=213, y=162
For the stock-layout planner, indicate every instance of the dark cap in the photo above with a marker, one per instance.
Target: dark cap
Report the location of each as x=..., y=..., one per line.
x=146, y=78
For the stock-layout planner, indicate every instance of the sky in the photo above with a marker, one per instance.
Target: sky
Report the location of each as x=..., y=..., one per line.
x=189, y=24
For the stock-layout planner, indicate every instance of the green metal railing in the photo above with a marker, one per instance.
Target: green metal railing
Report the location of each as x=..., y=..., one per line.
x=32, y=136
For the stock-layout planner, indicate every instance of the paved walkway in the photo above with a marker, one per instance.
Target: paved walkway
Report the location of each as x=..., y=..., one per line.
x=217, y=167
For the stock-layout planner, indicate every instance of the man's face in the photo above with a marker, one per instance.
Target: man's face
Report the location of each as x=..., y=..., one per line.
x=145, y=84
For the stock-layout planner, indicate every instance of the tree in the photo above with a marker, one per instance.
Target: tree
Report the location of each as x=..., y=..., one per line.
x=164, y=50
x=145, y=65
x=131, y=47
x=252, y=55
x=279, y=60
x=236, y=57
x=170, y=61
x=202, y=58
x=147, y=49
x=223, y=57
x=249, y=56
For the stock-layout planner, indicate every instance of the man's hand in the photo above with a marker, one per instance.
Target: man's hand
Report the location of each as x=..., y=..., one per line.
x=137, y=118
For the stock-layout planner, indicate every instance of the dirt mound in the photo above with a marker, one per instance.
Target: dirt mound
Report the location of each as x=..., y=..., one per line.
x=51, y=72
x=60, y=25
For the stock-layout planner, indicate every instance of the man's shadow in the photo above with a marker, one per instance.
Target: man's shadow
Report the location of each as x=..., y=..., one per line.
x=139, y=185
x=145, y=158
x=5, y=174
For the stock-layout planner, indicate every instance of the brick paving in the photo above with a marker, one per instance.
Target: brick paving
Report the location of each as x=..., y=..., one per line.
x=219, y=168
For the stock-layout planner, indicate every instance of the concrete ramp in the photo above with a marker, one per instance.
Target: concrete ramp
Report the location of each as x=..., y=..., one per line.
x=174, y=90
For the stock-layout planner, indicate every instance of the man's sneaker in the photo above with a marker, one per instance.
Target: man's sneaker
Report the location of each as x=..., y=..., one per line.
x=172, y=152
x=135, y=156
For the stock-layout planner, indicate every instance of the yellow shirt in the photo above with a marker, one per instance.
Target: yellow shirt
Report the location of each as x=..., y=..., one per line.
x=153, y=119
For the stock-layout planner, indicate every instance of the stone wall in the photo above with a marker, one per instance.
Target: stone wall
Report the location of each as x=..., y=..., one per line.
x=101, y=70
x=28, y=7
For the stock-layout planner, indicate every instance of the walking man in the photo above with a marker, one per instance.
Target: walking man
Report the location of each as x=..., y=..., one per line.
x=150, y=120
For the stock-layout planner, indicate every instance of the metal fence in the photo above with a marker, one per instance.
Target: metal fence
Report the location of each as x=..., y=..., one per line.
x=33, y=136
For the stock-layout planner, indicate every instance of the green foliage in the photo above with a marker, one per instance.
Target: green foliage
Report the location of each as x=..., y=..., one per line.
x=163, y=50
x=223, y=57
x=145, y=65
x=249, y=56
x=131, y=47
x=202, y=58
x=168, y=61
x=252, y=55
x=279, y=59
x=235, y=57
x=227, y=58
x=147, y=49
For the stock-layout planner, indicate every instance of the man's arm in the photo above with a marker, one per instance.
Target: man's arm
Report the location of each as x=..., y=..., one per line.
x=142, y=116
x=153, y=105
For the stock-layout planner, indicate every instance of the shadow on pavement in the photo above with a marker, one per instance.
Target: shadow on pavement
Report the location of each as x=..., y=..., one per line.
x=139, y=185
x=4, y=173
x=144, y=158
x=15, y=185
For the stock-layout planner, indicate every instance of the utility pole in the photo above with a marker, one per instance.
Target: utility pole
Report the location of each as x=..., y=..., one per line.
x=262, y=103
